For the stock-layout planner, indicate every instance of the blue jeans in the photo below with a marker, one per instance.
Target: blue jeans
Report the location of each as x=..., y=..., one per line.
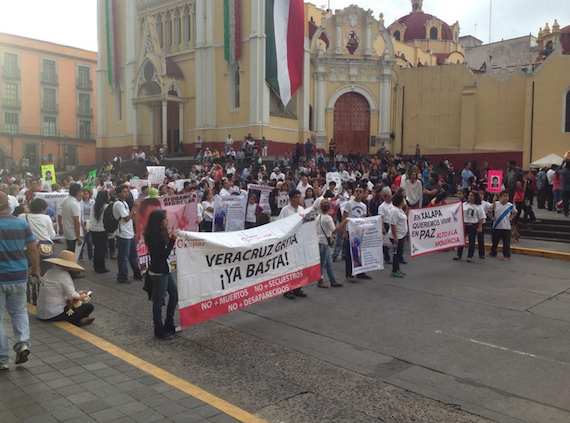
x=326, y=262
x=13, y=299
x=338, y=245
x=557, y=196
x=161, y=284
x=127, y=253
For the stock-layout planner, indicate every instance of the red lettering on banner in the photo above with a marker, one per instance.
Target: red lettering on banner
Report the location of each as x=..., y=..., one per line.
x=215, y=307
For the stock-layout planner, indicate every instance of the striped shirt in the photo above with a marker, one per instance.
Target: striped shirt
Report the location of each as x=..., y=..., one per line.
x=14, y=234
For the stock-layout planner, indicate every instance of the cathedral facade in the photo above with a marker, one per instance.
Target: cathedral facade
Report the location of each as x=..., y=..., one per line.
x=164, y=79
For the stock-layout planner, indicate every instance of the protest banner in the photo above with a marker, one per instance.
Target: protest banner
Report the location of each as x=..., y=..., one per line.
x=261, y=193
x=91, y=180
x=229, y=213
x=48, y=173
x=221, y=273
x=53, y=200
x=156, y=174
x=366, y=244
x=179, y=184
x=181, y=210
x=282, y=200
x=494, y=181
x=436, y=228
x=139, y=183
x=335, y=177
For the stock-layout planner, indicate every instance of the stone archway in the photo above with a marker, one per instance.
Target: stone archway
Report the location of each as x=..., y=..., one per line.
x=351, y=123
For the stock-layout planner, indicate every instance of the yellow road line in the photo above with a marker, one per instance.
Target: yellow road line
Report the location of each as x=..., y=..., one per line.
x=157, y=372
x=556, y=255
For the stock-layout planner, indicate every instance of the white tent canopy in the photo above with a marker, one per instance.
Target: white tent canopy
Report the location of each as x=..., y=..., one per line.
x=547, y=161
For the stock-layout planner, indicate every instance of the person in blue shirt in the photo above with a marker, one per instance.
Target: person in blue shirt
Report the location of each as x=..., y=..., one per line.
x=18, y=251
x=466, y=174
x=426, y=172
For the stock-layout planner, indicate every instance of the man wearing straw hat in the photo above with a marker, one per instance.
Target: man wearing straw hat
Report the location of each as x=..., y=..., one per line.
x=58, y=299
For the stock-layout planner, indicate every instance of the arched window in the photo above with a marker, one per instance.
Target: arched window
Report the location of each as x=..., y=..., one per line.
x=567, y=126
x=455, y=37
x=168, y=28
x=433, y=33
x=187, y=25
x=177, y=28
x=159, y=30
x=397, y=35
x=236, y=88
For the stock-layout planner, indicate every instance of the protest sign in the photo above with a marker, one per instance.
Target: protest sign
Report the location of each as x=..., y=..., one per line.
x=139, y=183
x=282, y=200
x=179, y=184
x=366, y=244
x=229, y=213
x=91, y=180
x=53, y=200
x=494, y=181
x=225, y=272
x=48, y=173
x=156, y=174
x=335, y=177
x=181, y=210
x=436, y=228
x=261, y=193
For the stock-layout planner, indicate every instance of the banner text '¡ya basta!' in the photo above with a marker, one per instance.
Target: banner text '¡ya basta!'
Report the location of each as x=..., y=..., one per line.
x=251, y=254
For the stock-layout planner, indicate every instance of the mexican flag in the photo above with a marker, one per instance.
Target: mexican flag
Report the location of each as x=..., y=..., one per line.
x=285, y=30
x=232, y=30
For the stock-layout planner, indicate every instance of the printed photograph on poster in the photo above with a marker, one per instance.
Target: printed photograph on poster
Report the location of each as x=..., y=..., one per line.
x=436, y=229
x=48, y=173
x=334, y=177
x=53, y=200
x=219, y=273
x=179, y=184
x=494, y=181
x=139, y=183
x=91, y=179
x=365, y=238
x=182, y=213
x=229, y=213
x=261, y=193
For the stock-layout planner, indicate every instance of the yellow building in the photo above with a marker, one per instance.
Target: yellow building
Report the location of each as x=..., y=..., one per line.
x=364, y=84
x=48, y=103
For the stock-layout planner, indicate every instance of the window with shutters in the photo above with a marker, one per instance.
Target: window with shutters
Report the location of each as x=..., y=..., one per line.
x=85, y=129
x=84, y=78
x=84, y=105
x=10, y=68
x=49, y=103
x=11, y=122
x=50, y=126
x=10, y=96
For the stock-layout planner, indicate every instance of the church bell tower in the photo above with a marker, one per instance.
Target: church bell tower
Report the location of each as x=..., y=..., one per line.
x=417, y=6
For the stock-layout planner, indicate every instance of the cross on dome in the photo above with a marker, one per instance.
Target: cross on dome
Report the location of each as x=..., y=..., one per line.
x=417, y=6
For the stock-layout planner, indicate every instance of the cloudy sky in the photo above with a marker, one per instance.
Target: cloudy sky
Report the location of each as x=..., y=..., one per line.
x=74, y=22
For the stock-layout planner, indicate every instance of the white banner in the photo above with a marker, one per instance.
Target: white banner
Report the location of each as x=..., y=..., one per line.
x=229, y=213
x=225, y=272
x=53, y=200
x=156, y=174
x=261, y=193
x=335, y=177
x=139, y=183
x=366, y=244
x=179, y=184
x=436, y=228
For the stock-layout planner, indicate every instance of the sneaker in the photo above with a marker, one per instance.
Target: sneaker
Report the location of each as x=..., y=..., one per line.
x=334, y=258
x=337, y=285
x=162, y=334
x=4, y=367
x=22, y=354
x=351, y=279
x=506, y=258
x=456, y=258
x=363, y=276
x=138, y=277
x=388, y=261
x=102, y=271
x=124, y=280
x=300, y=294
x=289, y=295
x=403, y=261
x=482, y=257
x=401, y=273
x=85, y=321
x=396, y=275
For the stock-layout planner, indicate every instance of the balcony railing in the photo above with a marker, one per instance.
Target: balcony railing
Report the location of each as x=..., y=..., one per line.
x=50, y=107
x=84, y=111
x=11, y=103
x=85, y=84
x=42, y=132
x=49, y=78
x=10, y=128
x=10, y=72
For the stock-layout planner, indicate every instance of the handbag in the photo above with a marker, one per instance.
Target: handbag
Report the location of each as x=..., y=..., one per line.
x=330, y=239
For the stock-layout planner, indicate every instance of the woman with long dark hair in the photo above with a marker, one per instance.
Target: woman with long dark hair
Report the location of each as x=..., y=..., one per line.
x=160, y=245
x=98, y=232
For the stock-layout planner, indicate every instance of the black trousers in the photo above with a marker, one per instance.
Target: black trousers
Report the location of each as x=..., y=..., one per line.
x=78, y=313
x=549, y=197
x=100, y=244
x=471, y=233
x=566, y=201
x=501, y=235
x=398, y=255
x=541, y=197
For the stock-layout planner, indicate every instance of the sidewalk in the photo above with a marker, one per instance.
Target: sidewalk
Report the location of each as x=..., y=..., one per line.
x=70, y=379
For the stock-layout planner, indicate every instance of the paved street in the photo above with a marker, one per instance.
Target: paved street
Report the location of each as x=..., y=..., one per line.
x=488, y=338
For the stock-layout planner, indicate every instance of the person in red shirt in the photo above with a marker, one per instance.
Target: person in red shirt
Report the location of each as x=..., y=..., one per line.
x=31, y=191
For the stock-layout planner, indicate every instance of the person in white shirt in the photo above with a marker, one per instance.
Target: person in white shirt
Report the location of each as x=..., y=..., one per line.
x=473, y=218
x=290, y=209
x=501, y=213
x=207, y=212
x=70, y=218
x=229, y=143
x=12, y=199
x=303, y=186
x=355, y=209
x=485, y=206
x=42, y=228
x=58, y=289
x=225, y=191
x=384, y=210
x=198, y=145
x=344, y=176
x=414, y=190
x=325, y=231
x=277, y=175
x=398, y=231
x=125, y=236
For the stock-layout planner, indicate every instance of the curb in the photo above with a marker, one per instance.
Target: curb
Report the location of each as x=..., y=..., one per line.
x=555, y=255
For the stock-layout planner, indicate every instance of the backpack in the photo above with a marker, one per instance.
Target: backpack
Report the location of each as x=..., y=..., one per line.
x=109, y=222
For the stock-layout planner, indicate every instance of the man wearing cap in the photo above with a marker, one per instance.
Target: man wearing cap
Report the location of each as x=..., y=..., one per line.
x=277, y=175
x=17, y=252
x=58, y=299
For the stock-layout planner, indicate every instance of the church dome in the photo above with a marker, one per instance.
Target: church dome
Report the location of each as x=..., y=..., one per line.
x=415, y=25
